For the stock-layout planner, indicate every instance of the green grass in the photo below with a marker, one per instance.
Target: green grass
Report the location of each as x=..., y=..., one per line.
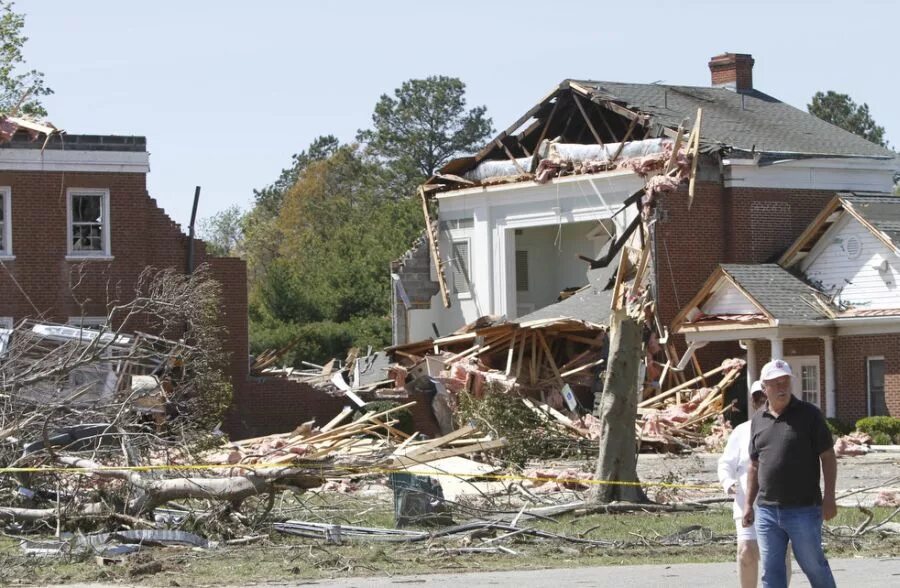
x=287, y=558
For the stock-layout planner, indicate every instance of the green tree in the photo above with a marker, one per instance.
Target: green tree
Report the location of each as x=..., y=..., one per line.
x=223, y=231
x=20, y=90
x=328, y=287
x=423, y=126
x=840, y=110
x=270, y=197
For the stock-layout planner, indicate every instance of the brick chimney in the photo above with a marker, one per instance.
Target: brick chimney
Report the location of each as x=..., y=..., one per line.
x=733, y=71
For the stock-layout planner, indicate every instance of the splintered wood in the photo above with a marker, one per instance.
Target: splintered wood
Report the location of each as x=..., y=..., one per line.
x=530, y=359
x=673, y=418
x=369, y=441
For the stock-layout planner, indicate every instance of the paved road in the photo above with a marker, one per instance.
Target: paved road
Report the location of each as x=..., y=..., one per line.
x=867, y=573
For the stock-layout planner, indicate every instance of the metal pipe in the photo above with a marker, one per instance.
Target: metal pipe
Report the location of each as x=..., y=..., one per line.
x=190, y=259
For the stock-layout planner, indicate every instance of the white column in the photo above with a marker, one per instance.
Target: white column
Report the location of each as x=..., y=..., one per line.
x=830, y=395
x=752, y=373
x=777, y=347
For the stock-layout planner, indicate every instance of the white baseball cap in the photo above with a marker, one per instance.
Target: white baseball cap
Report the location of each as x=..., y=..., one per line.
x=756, y=387
x=775, y=369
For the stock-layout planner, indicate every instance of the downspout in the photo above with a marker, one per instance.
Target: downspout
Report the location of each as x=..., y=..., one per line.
x=190, y=256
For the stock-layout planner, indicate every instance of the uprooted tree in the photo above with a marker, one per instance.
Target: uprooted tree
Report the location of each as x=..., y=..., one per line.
x=118, y=397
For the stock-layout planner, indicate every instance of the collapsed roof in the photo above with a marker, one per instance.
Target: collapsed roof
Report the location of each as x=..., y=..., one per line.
x=612, y=115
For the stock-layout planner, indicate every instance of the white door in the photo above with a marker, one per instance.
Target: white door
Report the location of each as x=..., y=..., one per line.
x=807, y=380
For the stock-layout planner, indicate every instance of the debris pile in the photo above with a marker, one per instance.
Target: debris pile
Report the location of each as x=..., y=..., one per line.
x=674, y=418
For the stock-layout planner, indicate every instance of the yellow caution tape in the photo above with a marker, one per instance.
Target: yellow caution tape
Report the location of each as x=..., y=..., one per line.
x=349, y=470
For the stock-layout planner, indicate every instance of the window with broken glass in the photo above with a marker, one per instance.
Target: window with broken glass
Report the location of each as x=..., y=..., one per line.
x=89, y=226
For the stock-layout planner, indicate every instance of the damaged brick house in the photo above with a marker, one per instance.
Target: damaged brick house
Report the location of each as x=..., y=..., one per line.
x=77, y=225
x=77, y=228
x=515, y=222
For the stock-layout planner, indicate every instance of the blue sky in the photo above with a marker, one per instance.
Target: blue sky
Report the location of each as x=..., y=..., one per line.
x=226, y=92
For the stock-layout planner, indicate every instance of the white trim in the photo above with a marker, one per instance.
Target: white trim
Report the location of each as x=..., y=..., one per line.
x=797, y=362
x=869, y=360
x=6, y=248
x=54, y=160
x=830, y=390
x=467, y=295
x=838, y=174
x=106, y=252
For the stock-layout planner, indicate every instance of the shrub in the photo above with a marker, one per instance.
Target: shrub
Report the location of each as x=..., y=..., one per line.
x=890, y=426
x=881, y=439
x=838, y=427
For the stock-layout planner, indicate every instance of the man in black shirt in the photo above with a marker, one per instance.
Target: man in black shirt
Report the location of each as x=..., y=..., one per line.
x=788, y=441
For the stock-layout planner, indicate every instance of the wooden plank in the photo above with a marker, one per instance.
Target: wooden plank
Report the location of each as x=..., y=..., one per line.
x=580, y=339
x=533, y=372
x=342, y=416
x=435, y=443
x=672, y=391
x=537, y=146
x=549, y=355
x=630, y=130
x=521, y=353
x=678, y=139
x=506, y=150
x=642, y=267
x=696, y=363
x=581, y=368
x=435, y=255
x=695, y=156
x=587, y=119
x=411, y=460
x=511, y=353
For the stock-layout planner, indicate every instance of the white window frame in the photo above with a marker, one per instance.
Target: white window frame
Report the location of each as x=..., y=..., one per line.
x=6, y=322
x=6, y=250
x=869, y=361
x=74, y=254
x=797, y=362
x=467, y=295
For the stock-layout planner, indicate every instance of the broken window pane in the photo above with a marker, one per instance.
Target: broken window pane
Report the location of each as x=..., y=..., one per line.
x=87, y=222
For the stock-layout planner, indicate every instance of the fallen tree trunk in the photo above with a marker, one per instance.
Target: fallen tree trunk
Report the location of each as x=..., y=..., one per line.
x=617, y=409
x=151, y=493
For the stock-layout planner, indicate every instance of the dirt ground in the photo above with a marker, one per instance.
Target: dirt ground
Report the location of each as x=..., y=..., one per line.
x=875, y=471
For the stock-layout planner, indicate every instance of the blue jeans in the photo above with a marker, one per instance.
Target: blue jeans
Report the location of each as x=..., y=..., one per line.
x=802, y=526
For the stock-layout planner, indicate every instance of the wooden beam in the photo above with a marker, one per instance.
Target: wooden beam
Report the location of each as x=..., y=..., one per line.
x=587, y=119
x=642, y=266
x=511, y=353
x=678, y=139
x=433, y=247
x=630, y=130
x=506, y=150
x=537, y=146
x=549, y=355
x=695, y=156
x=672, y=391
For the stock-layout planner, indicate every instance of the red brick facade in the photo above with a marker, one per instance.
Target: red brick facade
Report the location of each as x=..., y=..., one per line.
x=756, y=225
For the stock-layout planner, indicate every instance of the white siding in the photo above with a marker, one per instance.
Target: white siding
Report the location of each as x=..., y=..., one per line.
x=860, y=282
x=729, y=300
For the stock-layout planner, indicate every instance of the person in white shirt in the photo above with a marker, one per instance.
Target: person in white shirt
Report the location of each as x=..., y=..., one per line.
x=733, y=476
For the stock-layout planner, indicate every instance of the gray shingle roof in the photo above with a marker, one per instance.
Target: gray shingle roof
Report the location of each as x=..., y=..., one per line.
x=881, y=211
x=591, y=303
x=783, y=295
x=747, y=121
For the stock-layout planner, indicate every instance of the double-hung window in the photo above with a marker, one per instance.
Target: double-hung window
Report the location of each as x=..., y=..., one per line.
x=5, y=222
x=88, y=229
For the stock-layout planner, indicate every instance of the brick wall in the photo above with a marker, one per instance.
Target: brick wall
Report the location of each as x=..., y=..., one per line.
x=850, y=355
x=763, y=222
x=41, y=283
